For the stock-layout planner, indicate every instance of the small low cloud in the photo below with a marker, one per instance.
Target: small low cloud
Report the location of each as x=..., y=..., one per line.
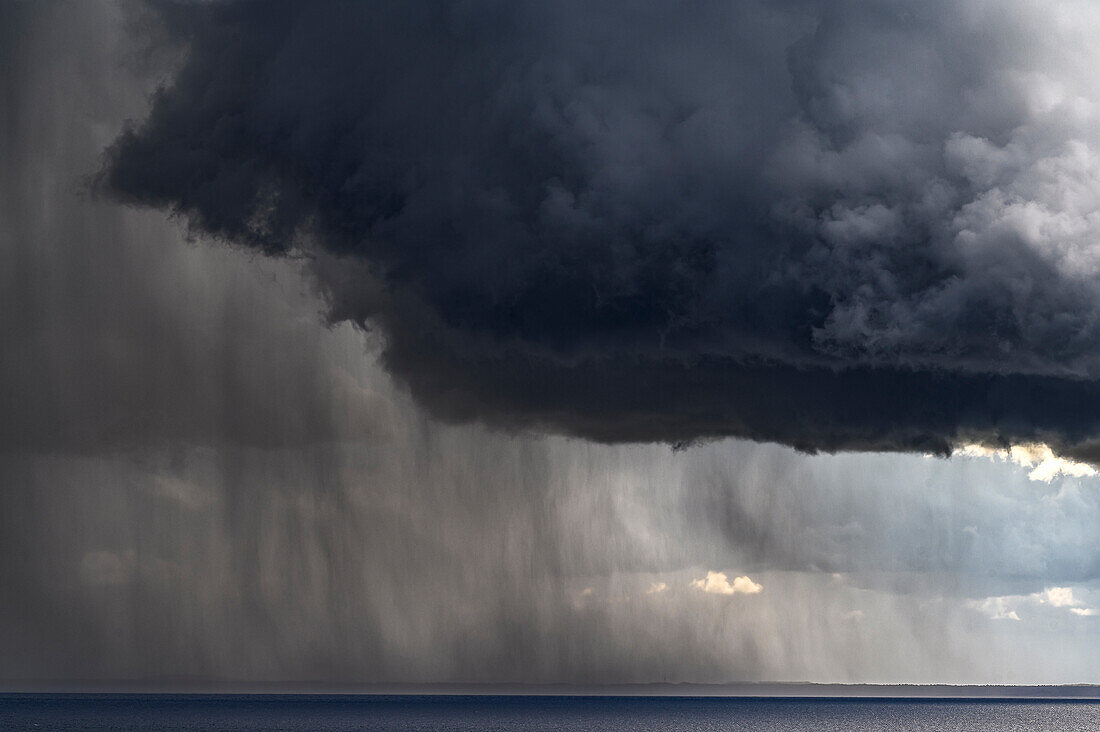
x=1005, y=607
x=1056, y=597
x=187, y=493
x=583, y=598
x=1063, y=597
x=656, y=588
x=717, y=583
x=997, y=608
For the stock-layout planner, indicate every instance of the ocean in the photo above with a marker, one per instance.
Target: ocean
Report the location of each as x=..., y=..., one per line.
x=507, y=713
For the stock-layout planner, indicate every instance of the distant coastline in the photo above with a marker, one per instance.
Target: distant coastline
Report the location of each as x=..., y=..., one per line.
x=762, y=689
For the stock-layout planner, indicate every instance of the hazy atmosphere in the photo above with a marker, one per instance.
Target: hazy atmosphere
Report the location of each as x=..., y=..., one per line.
x=570, y=342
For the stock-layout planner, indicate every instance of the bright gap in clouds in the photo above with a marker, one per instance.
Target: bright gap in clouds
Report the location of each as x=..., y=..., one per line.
x=1045, y=465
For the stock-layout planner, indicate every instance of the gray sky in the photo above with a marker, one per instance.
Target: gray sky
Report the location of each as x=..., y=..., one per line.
x=210, y=470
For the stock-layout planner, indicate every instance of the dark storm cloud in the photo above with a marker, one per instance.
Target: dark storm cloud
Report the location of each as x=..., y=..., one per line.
x=833, y=225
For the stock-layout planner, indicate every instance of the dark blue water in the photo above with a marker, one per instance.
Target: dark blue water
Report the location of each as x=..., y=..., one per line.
x=507, y=713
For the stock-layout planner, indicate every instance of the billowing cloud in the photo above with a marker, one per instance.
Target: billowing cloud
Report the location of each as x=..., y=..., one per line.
x=837, y=225
x=717, y=583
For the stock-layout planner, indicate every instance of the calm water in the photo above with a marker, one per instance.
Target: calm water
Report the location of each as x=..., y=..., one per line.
x=502, y=713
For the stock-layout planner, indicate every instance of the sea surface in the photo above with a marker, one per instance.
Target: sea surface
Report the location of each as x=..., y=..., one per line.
x=507, y=713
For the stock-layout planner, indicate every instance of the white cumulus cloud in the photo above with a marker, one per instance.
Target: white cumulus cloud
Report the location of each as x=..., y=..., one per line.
x=1056, y=597
x=717, y=583
x=1005, y=607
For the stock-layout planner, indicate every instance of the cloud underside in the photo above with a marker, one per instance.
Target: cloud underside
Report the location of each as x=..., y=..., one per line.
x=830, y=225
